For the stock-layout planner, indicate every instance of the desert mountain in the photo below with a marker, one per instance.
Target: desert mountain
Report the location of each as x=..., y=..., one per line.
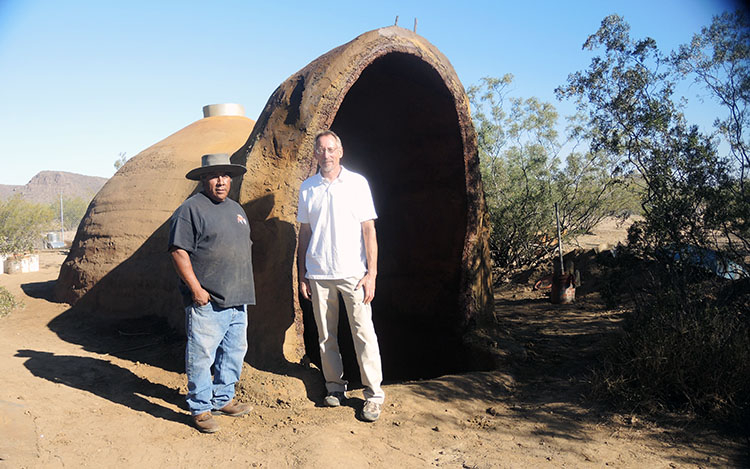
x=46, y=186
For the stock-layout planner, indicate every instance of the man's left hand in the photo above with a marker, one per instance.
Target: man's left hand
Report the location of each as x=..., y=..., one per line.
x=368, y=283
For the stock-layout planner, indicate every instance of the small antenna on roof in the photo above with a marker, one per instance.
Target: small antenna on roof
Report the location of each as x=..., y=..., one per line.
x=396, y=23
x=415, y=24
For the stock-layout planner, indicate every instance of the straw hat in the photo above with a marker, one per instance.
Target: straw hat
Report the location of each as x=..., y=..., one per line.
x=215, y=162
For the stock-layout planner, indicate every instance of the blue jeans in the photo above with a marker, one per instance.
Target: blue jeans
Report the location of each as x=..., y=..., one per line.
x=215, y=336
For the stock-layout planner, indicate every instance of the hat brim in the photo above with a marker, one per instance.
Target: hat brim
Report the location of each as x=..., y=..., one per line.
x=232, y=169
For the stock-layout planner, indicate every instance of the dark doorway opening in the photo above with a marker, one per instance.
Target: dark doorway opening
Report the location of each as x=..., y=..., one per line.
x=400, y=129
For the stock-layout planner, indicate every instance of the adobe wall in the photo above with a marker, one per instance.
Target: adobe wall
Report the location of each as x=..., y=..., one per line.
x=118, y=264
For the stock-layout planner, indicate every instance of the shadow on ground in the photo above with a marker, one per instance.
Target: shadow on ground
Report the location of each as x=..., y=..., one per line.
x=40, y=290
x=105, y=380
x=147, y=339
x=544, y=355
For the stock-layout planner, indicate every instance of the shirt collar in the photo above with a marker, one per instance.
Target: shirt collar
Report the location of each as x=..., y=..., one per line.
x=342, y=176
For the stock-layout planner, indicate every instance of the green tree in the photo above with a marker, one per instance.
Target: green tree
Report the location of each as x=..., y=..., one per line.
x=74, y=208
x=718, y=59
x=519, y=149
x=21, y=224
x=633, y=119
x=686, y=343
x=591, y=185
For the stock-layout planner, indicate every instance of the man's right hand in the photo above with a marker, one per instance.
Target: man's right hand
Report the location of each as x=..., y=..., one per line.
x=184, y=268
x=305, y=232
x=304, y=288
x=201, y=297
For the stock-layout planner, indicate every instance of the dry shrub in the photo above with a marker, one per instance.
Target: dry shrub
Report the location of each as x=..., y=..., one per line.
x=8, y=302
x=682, y=348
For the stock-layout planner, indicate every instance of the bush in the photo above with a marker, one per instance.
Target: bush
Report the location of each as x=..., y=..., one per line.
x=8, y=302
x=73, y=211
x=21, y=224
x=686, y=342
x=524, y=176
x=682, y=350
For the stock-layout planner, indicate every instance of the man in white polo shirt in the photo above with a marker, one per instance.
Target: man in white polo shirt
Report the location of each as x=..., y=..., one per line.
x=337, y=254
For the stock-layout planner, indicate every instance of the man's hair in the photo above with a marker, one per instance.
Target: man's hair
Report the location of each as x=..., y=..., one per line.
x=332, y=134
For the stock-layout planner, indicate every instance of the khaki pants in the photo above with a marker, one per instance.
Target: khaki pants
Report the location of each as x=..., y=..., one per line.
x=326, y=308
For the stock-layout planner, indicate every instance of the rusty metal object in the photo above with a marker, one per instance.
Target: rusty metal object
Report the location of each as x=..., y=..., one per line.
x=563, y=289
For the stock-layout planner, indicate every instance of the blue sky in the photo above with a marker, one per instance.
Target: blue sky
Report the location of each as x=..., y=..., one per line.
x=82, y=81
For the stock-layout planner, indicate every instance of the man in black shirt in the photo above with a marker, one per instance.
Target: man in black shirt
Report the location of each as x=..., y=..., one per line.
x=210, y=245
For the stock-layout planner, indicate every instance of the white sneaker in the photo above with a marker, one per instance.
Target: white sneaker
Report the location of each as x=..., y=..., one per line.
x=334, y=399
x=371, y=411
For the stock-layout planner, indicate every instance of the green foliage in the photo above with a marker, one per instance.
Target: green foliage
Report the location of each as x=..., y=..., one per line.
x=692, y=195
x=627, y=97
x=8, y=302
x=21, y=224
x=686, y=344
x=718, y=59
x=73, y=211
x=514, y=152
x=590, y=188
x=523, y=177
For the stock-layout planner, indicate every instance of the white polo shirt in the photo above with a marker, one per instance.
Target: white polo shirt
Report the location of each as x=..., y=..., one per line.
x=335, y=211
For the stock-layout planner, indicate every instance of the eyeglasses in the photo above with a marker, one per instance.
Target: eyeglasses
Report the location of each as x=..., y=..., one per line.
x=323, y=151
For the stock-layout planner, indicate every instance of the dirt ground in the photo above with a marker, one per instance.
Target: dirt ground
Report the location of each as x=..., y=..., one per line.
x=83, y=395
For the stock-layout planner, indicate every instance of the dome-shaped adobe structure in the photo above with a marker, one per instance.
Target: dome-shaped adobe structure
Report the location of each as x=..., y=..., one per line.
x=118, y=264
x=404, y=120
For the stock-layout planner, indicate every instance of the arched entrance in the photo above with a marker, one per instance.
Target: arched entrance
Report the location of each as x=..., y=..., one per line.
x=404, y=121
x=399, y=126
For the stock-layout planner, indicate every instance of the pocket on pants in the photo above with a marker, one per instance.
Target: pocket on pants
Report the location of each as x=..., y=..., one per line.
x=202, y=310
x=358, y=295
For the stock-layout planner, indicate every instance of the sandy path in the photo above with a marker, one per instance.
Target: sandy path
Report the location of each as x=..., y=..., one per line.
x=67, y=405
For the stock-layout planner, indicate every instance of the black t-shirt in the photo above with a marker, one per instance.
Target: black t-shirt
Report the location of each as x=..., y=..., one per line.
x=217, y=238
